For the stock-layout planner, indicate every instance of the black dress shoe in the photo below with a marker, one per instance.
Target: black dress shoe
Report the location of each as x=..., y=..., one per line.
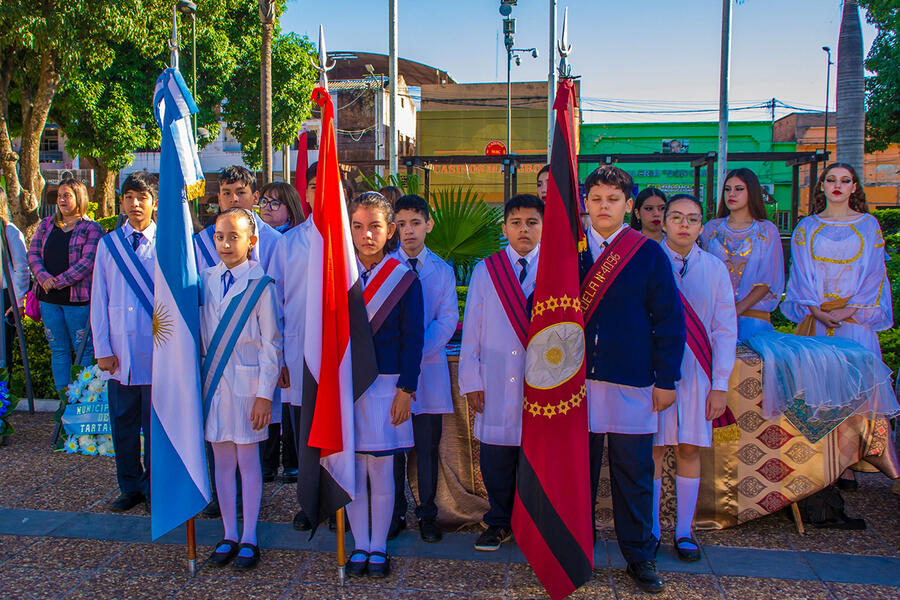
x=492, y=538
x=289, y=476
x=687, y=552
x=379, y=570
x=357, y=568
x=127, y=501
x=398, y=524
x=646, y=576
x=212, y=510
x=847, y=485
x=220, y=559
x=268, y=476
x=429, y=530
x=245, y=563
x=301, y=522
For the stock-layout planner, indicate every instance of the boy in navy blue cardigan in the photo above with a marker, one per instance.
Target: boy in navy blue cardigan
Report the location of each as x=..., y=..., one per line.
x=635, y=335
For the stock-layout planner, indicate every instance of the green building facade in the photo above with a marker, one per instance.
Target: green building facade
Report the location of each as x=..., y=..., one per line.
x=669, y=138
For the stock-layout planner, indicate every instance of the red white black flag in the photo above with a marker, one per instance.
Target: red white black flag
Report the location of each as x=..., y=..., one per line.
x=339, y=356
x=552, y=519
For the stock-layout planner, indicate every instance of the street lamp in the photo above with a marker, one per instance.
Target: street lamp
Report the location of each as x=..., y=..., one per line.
x=509, y=30
x=827, y=50
x=189, y=10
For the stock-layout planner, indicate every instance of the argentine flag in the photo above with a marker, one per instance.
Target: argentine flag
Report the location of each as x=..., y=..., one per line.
x=179, y=480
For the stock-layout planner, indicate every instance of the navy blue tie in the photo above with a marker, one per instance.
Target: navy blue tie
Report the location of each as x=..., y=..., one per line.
x=524, y=272
x=683, y=267
x=414, y=264
x=227, y=281
x=136, y=239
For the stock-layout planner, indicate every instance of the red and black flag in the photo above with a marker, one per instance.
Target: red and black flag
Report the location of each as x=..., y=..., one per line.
x=338, y=353
x=552, y=519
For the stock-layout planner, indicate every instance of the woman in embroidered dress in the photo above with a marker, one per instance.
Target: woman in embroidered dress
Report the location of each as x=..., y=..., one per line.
x=750, y=246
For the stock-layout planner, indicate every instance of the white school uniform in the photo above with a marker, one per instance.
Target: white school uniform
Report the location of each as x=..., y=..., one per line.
x=492, y=358
x=288, y=269
x=613, y=407
x=261, y=253
x=18, y=254
x=120, y=325
x=253, y=367
x=707, y=286
x=433, y=395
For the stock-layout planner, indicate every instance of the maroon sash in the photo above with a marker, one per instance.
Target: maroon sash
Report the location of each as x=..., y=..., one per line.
x=698, y=343
x=607, y=267
x=509, y=290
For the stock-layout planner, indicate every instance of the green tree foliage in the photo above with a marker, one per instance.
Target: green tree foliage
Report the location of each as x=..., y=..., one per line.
x=883, y=88
x=293, y=78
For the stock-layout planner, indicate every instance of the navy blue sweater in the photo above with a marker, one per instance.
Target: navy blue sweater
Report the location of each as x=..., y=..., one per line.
x=636, y=335
x=399, y=341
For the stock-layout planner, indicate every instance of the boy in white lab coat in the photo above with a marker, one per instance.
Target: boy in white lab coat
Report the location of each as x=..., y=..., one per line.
x=122, y=328
x=492, y=357
x=433, y=397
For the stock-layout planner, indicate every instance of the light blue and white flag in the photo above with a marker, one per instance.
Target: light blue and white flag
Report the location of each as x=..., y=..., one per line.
x=179, y=480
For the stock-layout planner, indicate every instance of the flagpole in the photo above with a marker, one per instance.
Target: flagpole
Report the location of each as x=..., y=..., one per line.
x=323, y=67
x=191, y=534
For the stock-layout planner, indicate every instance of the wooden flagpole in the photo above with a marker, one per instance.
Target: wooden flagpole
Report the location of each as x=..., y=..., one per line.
x=341, y=551
x=191, y=548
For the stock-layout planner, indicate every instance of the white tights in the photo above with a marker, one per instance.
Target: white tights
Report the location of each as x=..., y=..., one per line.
x=379, y=470
x=228, y=456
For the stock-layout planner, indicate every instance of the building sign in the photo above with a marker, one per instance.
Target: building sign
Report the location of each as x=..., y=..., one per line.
x=495, y=148
x=675, y=146
x=54, y=176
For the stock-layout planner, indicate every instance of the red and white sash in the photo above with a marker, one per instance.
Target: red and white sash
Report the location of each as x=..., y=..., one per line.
x=385, y=289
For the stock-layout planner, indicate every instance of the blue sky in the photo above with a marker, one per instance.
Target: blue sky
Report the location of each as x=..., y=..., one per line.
x=644, y=55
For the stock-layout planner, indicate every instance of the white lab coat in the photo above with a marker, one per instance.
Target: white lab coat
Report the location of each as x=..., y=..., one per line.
x=433, y=395
x=492, y=358
x=253, y=367
x=288, y=269
x=18, y=254
x=707, y=286
x=120, y=325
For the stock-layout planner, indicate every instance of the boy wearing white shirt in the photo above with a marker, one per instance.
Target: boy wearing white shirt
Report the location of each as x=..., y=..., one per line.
x=492, y=357
x=433, y=398
x=122, y=328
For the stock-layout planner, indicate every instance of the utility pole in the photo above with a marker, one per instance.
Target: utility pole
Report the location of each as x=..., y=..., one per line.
x=551, y=78
x=267, y=19
x=392, y=74
x=827, y=90
x=724, y=68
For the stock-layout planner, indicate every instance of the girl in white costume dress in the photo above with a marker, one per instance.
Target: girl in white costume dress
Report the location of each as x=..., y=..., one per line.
x=711, y=327
x=749, y=244
x=240, y=406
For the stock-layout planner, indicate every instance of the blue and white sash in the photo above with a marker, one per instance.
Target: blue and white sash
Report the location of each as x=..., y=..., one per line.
x=206, y=247
x=226, y=336
x=130, y=266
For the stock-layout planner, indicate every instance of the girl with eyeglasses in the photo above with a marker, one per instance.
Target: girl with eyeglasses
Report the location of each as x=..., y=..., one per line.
x=279, y=206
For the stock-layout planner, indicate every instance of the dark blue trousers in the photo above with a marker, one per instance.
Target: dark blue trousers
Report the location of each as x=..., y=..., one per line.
x=129, y=414
x=631, y=476
x=427, y=437
x=498, y=470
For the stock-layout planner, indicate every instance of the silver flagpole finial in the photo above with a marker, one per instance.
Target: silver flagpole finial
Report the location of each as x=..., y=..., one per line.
x=565, y=48
x=323, y=67
x=173, y=43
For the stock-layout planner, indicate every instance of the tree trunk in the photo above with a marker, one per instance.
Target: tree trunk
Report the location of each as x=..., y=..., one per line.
x=267, y=17
x=8, y=157
x=104, y=187
x=851, y=98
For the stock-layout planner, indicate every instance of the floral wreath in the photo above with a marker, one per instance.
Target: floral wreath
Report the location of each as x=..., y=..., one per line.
x=87, y=386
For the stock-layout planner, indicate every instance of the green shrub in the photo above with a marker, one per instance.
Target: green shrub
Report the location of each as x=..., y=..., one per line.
x=108, y=223
x=889, y=219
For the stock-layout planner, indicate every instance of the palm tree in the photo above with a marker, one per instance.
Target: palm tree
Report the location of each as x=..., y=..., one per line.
x=851, y=98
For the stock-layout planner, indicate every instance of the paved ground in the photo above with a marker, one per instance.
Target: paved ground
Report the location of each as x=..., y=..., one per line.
x=58, y=540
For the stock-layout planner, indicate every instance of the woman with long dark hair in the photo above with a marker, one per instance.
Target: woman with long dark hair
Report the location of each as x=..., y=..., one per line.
x=750, y=246
x=647, y=214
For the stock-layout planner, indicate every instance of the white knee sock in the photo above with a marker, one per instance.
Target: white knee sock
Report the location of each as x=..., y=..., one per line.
x=687, y=489
x=251, y=488
x=657, y=496
x=381, y=476
x=225, y=455
x=358, y=510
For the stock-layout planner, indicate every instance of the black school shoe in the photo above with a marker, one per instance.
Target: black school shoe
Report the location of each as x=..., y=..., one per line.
x=646, y=576
x=126, y=501
x=289, y=476
x=379, y=570
x=492, y=538
x=245, y=563
x=429, y=531
x=301, y=522
x=357, y=568
x=212, y=510
x=398, y=524
x=687, y=553
x=220, y=559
